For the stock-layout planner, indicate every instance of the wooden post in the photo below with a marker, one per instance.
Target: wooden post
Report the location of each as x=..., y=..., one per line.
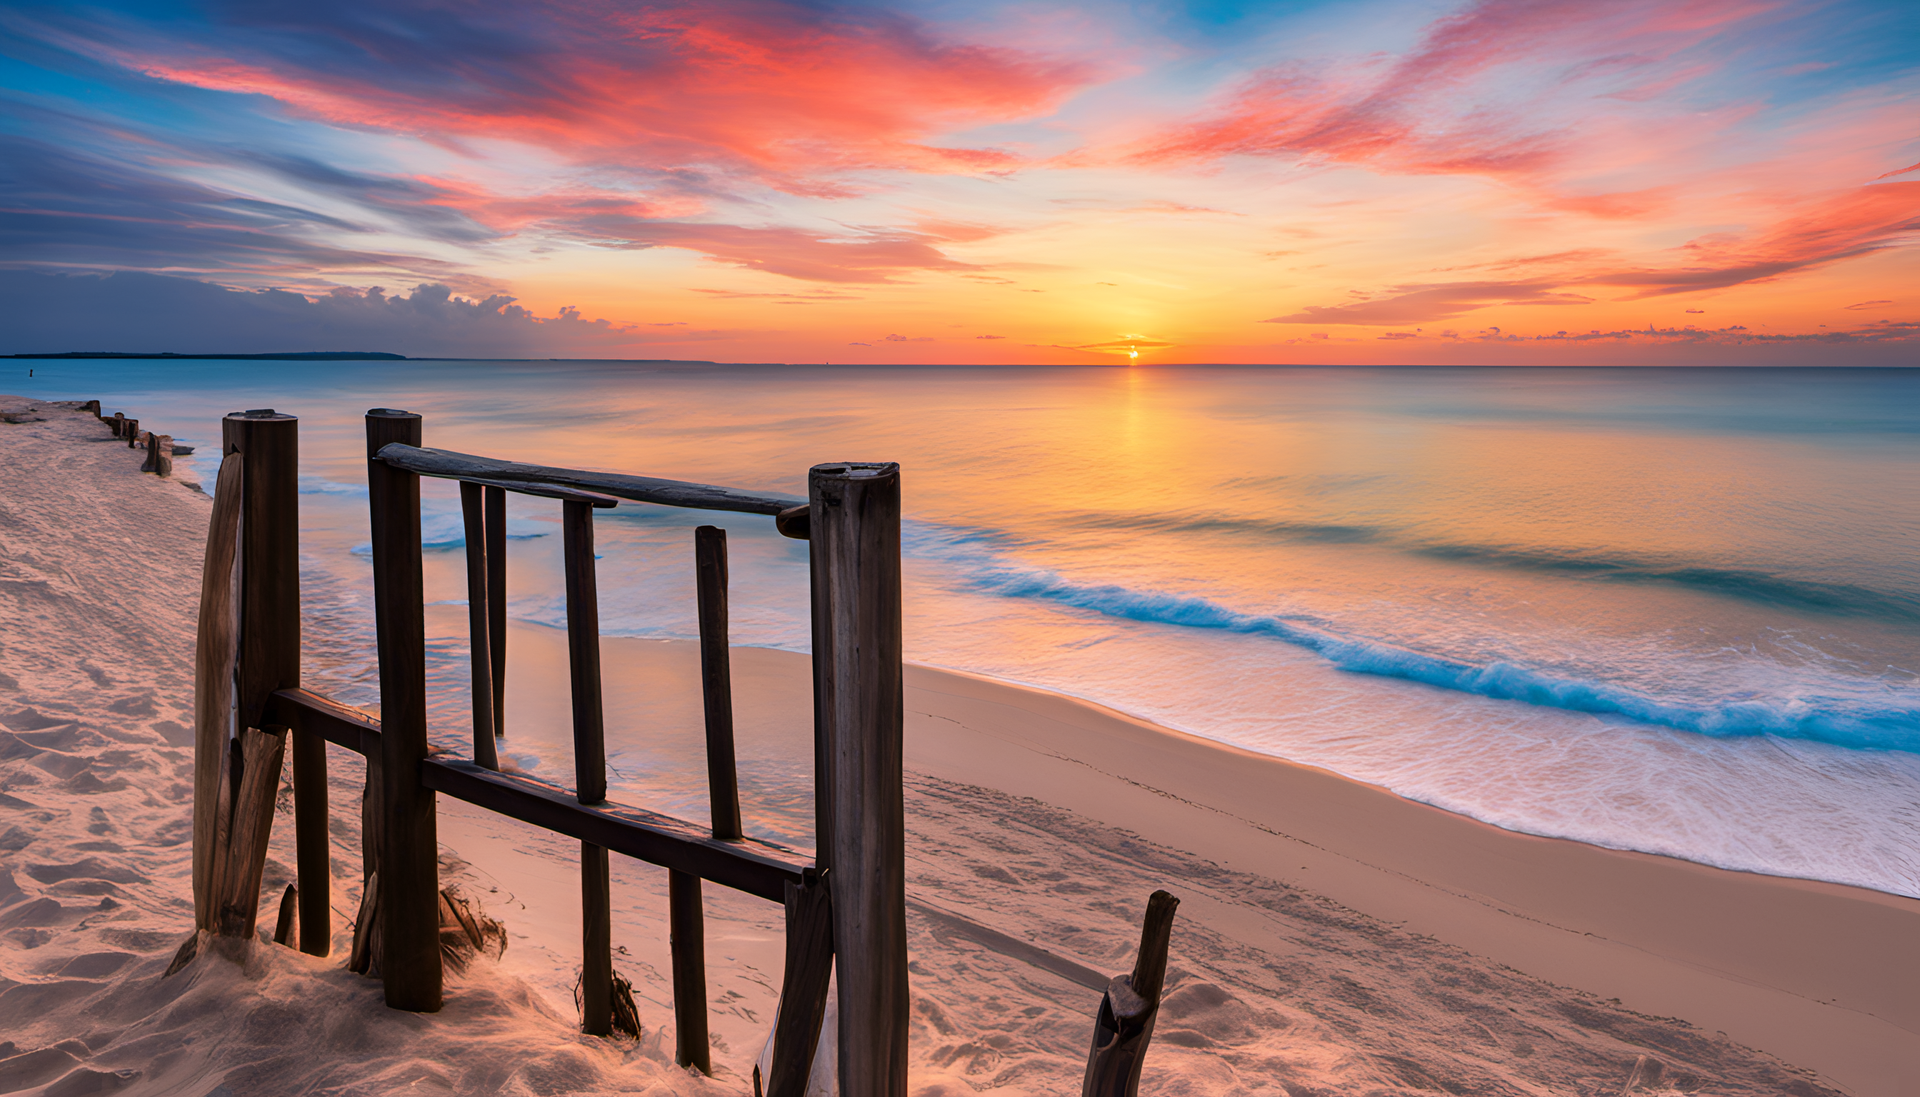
x=118, y=423
x=1128, y=1009
x=803, y=990
x=854, y=513
x=687, y=942
x=589, y=765
x=479, y=626
x=497, y=602
x=269, y=642
x=215, y=644
x=716, y=678
x=131, y=432
x=409, y=909
x=258, y=756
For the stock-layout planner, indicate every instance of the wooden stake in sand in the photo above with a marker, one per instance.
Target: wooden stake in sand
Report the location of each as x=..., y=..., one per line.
x=239, y=864
x=214, y=655
x=803, y=990
x=479, y=623
x=1128, y=1009
x=854, y=526
x=408, y=910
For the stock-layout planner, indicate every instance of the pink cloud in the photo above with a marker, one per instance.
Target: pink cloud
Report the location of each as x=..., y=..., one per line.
x=1437, y=108
x=1443, y=301
x=788, y=94
x=1824, y=231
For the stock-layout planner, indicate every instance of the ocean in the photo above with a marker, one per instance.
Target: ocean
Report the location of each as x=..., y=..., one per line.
x=1667, y=610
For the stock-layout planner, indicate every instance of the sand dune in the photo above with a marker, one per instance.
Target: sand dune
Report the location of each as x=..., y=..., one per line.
x=1332, y=939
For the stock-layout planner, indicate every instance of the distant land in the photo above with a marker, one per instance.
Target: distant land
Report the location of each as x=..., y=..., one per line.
x=341, y=356
x=301, y=355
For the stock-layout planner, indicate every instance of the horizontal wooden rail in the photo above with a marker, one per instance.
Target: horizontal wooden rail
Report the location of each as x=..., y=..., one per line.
x=644, y=489
x=744, y=864
x=341, y=725
x=546, y=491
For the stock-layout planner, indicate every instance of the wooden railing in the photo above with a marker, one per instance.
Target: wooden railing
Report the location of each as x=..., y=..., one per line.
x=845, y=907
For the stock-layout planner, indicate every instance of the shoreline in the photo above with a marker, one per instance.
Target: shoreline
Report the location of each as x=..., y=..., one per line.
x=1334, y=938
x=1811, y=971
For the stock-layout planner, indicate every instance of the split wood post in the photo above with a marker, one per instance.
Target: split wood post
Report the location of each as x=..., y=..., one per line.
x=686, y=940
x=258, y=757
x=213, y=661
x=716, y=678
x=118, y=423
x=803, y=989
x=589, y=765
x=409, y=907
x=131, y=432
x=479, y=625
x=161, y=455
x=854, y=513
x=269, y=647
x=496, y=522
x=1129, y=1009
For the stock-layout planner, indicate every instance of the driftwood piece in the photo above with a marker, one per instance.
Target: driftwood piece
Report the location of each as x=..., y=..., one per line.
x=260, y=755
x=1128, y=1010
x=466, y=933
x=284, y=926
x=214, y=654
x=803, y=990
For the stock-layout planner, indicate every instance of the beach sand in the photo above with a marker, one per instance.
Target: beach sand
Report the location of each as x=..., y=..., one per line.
x=1332, y=938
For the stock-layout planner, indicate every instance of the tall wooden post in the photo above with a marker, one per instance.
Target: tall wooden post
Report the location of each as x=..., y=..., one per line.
x=497, y=602
x=479, y=626
x=854, y=510
x=716, y=678
x=269, y=647
x=589, y=765
x=409, y=907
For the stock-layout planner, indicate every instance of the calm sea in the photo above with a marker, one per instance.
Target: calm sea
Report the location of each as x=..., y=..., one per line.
x=1667, y=610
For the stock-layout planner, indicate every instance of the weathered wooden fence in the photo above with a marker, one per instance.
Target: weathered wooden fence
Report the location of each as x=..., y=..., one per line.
x=847, y=906
x=160, y=448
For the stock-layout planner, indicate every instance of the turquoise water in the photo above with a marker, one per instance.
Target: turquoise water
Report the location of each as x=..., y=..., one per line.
x=1668, y=610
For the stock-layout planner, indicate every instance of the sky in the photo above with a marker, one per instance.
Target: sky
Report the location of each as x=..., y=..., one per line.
x=1546, y=182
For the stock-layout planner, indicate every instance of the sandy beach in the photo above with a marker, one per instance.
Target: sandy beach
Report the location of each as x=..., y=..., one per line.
x=1332, y=938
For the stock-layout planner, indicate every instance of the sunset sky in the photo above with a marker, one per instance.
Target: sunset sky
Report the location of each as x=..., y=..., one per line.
x=1720, y=181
